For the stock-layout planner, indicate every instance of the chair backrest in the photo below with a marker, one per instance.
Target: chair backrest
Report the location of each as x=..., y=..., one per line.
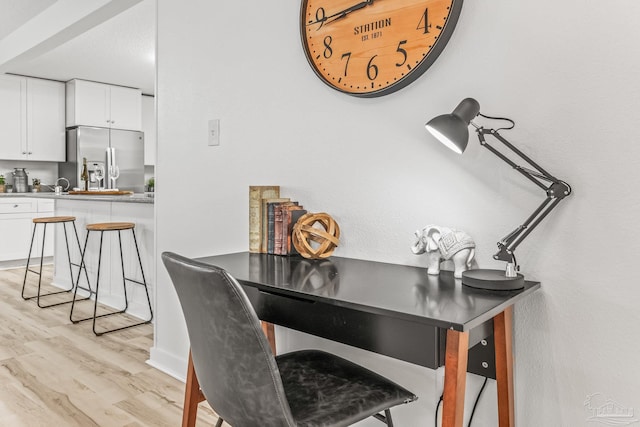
x=236, y=369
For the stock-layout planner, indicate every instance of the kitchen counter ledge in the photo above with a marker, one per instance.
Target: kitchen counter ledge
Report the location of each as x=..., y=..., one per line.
x=128, y=198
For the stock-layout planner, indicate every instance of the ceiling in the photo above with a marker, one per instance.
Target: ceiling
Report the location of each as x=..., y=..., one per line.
x=120, y=51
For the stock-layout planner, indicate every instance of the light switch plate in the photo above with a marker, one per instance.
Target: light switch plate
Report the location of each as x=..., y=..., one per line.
x=214, y=132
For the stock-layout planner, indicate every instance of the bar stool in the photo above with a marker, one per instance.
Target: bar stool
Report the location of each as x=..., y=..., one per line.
x=44, y=221
x=102, y=228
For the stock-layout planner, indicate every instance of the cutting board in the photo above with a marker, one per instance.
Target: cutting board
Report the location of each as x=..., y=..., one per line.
x=101, y=193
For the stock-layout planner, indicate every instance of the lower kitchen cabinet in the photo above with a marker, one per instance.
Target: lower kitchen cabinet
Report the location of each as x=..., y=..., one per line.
x=16, y=227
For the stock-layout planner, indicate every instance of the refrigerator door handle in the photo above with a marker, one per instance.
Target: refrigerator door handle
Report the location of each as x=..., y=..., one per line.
x=113, y=170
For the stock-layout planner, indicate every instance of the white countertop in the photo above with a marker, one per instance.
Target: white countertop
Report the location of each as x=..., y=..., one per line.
x=127, y=198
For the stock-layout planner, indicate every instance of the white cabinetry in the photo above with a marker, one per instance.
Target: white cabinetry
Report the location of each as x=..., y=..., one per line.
x=149, y=129
x=16, y=227
x=31, y=119
x=45, y=121
x=102, y=105
x=13, y=115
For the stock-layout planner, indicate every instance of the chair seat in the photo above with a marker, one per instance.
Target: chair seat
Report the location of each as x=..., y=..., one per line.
x=53, y=219
x=110, y=226
x=348, y=394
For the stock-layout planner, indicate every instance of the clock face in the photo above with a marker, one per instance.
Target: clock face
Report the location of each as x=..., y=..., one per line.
x=375, y=47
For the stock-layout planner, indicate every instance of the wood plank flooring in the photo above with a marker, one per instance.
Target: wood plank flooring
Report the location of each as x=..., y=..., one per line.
x=54, y=373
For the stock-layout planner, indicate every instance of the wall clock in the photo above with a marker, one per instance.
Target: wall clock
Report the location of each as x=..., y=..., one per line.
x=375, y=47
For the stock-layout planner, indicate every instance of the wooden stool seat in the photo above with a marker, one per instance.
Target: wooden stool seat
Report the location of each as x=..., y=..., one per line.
x=110, y=226
x=53, y=219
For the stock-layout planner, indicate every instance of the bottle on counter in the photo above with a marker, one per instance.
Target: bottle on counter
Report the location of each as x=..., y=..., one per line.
x=84, y=175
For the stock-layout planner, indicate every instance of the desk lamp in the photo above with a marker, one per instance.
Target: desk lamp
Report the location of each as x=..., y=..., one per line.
x=453, y=131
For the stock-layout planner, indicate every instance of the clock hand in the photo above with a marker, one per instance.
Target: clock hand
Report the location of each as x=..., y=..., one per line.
x=353, y=8
x=341, y=14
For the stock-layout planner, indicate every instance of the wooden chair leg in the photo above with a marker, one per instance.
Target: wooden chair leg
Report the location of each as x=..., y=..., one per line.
x=503, y=335
x=192, y=396
x=269, y=331
x=455, y=378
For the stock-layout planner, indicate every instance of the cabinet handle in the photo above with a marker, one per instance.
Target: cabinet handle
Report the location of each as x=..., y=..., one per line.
x=24, y=152
x=15, y=206
x=30, y=152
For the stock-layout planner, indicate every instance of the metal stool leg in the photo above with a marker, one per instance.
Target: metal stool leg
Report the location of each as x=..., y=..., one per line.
x=95, y=302
x=44, y=236
x=144, y=280
x=24, y=282
x=39, y=294
x=124, y=284
x=95, y=315
x=81, y=266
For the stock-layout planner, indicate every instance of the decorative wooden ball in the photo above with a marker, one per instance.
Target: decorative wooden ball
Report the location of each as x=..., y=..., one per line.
x=314, y=242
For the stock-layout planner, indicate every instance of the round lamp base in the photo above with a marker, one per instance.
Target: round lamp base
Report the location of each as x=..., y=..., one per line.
x=494, y=280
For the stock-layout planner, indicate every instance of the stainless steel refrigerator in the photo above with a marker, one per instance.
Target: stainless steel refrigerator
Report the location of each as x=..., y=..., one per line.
x=115, y=158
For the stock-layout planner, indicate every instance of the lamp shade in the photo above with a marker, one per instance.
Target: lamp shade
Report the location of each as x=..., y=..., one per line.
x=453, y=129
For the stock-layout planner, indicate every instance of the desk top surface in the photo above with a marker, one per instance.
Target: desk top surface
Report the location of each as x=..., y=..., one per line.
x=385, y=289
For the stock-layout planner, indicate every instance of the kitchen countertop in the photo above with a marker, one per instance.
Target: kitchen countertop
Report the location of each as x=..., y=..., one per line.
x=128, y=198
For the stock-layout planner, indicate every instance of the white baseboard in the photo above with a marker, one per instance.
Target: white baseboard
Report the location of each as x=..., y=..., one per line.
x=21, y=263
x=168, y=363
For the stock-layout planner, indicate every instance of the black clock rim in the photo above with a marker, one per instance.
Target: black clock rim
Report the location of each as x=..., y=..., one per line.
x=424, y=65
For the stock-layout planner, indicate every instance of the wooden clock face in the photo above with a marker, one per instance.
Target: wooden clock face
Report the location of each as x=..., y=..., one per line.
x=375, y=47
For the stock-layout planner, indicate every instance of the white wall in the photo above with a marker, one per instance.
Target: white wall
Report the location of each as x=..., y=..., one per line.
x=566, y=72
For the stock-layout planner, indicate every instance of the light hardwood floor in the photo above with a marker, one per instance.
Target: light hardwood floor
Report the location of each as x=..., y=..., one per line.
x=54, y=373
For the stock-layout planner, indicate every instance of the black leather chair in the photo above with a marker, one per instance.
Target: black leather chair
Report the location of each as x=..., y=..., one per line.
x=242, y=380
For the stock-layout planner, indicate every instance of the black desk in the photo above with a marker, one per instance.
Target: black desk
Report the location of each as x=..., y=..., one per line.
x=395, y=310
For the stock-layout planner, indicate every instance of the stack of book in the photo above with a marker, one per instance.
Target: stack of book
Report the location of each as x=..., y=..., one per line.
x=271, y=221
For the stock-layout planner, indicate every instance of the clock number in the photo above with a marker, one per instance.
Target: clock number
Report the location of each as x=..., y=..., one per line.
x=372, y=69
x=403, y=52
x=321, y=17
x=327, y=47
x=424, y=22
x=348, y=56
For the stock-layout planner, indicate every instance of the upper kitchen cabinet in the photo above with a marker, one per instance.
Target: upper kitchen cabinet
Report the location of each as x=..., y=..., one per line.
x=149, y=129
x=45, y=121
x=103, y=105
x=13, y=116
x=31, y=119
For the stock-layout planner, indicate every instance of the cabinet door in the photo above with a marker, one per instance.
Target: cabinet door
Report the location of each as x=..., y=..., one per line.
x=149, y=129
x=87, y=104
x=45, y=120
x=16, y=236
x=16, y=219
x=126, y=108
x=13, y=100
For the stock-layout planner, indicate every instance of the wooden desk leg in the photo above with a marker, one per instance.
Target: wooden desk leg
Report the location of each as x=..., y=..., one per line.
x=455, y=378
x=270, y=332
x=192, y=396
x=503, y=335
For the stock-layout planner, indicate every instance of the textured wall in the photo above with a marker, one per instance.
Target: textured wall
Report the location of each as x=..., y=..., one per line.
x=566, y=72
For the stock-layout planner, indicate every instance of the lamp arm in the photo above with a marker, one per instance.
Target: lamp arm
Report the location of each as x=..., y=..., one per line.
x=533, y=176
x=555, y=189
x=508, y=244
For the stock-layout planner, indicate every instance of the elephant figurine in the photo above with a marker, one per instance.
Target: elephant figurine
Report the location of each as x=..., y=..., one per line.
x=442, y=244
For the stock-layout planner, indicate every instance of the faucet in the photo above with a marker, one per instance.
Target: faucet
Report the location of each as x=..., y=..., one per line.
x=59, y=188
